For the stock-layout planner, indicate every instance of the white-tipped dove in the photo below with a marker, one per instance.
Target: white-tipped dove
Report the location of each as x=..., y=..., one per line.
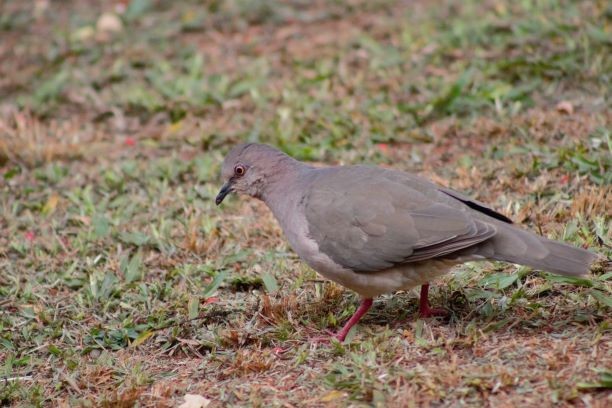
x=376, y=230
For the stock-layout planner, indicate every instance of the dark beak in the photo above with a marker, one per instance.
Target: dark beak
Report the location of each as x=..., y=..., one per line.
x=225, y=190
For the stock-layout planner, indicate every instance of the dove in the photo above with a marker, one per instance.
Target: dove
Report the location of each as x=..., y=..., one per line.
x=376, y=230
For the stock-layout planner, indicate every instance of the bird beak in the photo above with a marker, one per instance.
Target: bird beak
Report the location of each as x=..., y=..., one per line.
x=225, y=190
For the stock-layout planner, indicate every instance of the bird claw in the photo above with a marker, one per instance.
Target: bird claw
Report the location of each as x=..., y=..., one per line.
x=433, y=312
x=424, y=310
x=321, y=340
x=279, y=351
x=326, y=339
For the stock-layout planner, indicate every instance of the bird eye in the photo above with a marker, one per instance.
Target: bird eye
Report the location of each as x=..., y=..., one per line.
x=239, y=170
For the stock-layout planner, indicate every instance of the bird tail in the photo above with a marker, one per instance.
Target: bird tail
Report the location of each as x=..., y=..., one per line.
x=515, y=245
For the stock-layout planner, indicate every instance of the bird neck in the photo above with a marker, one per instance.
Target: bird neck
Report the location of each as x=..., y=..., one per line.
x=284, y=186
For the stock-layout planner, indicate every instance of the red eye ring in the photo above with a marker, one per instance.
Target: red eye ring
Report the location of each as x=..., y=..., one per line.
x=239, y=170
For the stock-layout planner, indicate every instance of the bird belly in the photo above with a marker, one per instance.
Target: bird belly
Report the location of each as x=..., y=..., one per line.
x=367, y=284
x=404, y=277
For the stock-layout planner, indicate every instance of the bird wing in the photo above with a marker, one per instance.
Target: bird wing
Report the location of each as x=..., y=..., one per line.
x=369, y=219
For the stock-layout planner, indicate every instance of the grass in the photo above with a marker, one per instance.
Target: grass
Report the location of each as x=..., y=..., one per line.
x=124, y=285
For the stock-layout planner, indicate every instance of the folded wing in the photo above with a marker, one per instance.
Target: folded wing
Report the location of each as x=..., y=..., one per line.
x=367, y=220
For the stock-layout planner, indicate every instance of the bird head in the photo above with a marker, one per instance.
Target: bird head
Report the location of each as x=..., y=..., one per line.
x=249, y=169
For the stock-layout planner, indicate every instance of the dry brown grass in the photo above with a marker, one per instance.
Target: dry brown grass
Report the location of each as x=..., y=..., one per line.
x=26, y=140
x=123, y=285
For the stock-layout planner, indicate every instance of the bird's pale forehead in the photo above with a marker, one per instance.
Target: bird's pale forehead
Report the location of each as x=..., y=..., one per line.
x=247, y=154
x=250, y=154
x=233, y=158
x=235, y=154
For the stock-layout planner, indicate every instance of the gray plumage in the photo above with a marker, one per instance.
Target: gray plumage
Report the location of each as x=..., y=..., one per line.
x=377, y=230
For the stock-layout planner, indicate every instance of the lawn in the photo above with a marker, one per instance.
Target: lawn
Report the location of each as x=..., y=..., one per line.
x=122, y=284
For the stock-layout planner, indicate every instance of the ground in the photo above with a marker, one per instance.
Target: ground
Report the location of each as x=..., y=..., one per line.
x=122, y=283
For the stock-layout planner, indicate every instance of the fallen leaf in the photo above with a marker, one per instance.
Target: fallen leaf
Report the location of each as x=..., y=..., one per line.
x=194, y=401
x=193, y=307
x=332, y=396
x=129, y=141
x=269, y=282
x=51, y=204
x=85, y=220
x=565, y=107
x=144, y=336
x=383, y=147
x=84, y=33
x=109, y=23
x=40, y=8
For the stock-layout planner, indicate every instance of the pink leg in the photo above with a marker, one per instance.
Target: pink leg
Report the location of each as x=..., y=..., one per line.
x=424, y=309
x=363, y=309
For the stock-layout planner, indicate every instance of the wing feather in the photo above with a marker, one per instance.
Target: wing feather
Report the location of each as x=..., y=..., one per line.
x=369, y=219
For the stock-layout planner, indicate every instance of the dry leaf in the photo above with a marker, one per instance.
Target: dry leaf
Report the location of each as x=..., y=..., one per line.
x=333, y=395
x=565, y=107
x=109, y=23
x=194, y=401
x=51, y=204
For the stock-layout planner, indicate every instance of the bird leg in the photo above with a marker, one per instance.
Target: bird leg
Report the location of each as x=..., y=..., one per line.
x=361, y=310
x=424, y=309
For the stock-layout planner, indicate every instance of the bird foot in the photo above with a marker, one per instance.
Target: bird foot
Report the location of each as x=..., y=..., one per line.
x=363, y=308
x=321, y=340
x=424, y=310
x=327, y=339
x=432, y=312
